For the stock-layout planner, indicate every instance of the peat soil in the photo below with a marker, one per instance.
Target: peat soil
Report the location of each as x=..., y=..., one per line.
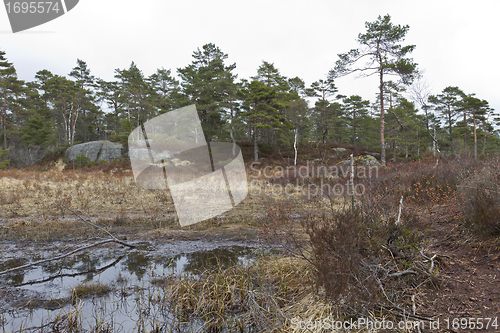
x=467, y=284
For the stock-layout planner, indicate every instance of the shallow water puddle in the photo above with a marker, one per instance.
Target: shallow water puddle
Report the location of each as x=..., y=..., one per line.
x=34, y=297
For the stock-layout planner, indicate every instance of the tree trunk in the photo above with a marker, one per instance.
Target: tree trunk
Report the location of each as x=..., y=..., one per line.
x=295, y=148
x=382, y=124
x=394, y=151
x=465, y=131
x=354, y=128
x=255, y=146
x=4, y=119
x=84, y=121
x=325, y=128
x=451, y=135
x=418, y=144
x=475, y=134
x=232, y=130
x=434, y=142
x=484, y=143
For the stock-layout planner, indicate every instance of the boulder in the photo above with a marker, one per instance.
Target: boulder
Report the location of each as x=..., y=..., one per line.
x=95, y=151
x=141, y=154
x=364, y=160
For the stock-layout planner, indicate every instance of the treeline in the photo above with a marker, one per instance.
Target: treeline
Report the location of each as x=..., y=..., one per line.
x=53, y=112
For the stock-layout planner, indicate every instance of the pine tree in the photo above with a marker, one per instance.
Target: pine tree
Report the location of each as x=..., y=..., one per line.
x=268, y=74
x=210, y=84
x=286, y=91
x=477, y=108
x=8, y=85
x=35, y=135
x=262, y=110
x=134, y=95
x=109, y=92
x=380, y=44
x=323, y=89
x=84, y=95
x=165, y=88
x=447, y=104
x=4, y=162
x=297, y=113
x=356, y=112
x=61, y=94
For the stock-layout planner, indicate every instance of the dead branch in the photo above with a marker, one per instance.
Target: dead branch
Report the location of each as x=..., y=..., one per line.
x=408, y=271
x=90, y=223
x=93, y=271
x=431, y=259
x=396, y=310
x=113, y=239
x=67, y=254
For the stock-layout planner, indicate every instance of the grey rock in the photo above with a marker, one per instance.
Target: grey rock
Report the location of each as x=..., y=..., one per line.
x=110, y=151
x=95, y=151
x=141, y=154
x=365, y=160
x=339, y=149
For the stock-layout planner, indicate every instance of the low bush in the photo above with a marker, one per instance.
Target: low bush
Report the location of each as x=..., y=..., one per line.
x=82, y=161
x=481, y=201
x=4, y=162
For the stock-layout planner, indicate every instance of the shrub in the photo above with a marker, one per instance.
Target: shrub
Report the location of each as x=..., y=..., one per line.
x=363, y=258
x=340, y=251
x=4, y=162
x=481, y=202
x=82, y=161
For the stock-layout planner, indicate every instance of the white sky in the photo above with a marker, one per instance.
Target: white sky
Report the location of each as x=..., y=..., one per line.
x=457, y=42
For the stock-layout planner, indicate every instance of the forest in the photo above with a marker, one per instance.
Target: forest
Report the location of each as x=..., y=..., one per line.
x=53, y=112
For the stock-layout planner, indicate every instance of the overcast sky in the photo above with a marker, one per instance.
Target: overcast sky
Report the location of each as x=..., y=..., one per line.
x=457, y=42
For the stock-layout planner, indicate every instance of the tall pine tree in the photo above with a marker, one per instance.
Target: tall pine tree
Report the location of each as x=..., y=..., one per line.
x=381, y=48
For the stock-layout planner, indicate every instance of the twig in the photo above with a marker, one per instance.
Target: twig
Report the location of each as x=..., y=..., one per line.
x=431, y=269
x=67, y=254
x=90, y=223
x=408, y=271
x=402, y=313
x=383, y=291
x=437, y=162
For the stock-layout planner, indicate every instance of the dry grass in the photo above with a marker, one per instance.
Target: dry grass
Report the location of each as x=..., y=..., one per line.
x=275, y=294
x=31, y=205
x=29, y=191
x=88, y=289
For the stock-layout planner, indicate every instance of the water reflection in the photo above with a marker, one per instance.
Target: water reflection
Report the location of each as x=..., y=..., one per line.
x=128, y=272
x=137, y=263
x=221, y=257
x=18, y=276
x=132, y=266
